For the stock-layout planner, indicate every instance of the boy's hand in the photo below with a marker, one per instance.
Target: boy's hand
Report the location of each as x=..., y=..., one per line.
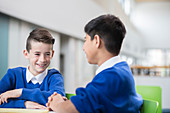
x=53, y=100
x=33, y=105
x=10, y=94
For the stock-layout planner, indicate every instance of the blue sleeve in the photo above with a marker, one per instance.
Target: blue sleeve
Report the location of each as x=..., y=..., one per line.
x=7, y=82
x=54, y=84
x=87, y=100
x=13, y=103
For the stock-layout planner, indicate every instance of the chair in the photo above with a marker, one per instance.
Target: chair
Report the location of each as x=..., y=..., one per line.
x=69, y=95
x=151, y=93
x=149, y=106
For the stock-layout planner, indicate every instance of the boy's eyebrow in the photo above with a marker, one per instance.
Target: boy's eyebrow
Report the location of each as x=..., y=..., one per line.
x=36, y=52
x=40, y=52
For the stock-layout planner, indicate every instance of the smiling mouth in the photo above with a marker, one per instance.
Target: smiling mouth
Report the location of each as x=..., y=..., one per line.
x=41, y=65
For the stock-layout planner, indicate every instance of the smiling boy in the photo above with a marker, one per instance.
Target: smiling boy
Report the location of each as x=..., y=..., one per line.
x=30, y=87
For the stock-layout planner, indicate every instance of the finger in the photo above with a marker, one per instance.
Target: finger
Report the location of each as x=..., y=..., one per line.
x=49, y=109
x=40, y=107
x=6, y=100
x=64, y=98
x=47, y=104
x=50, y=99
x=55, y=93
x=2, y=100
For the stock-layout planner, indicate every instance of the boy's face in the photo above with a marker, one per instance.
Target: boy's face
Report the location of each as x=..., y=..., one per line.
x=39, y=57
x=89, y=48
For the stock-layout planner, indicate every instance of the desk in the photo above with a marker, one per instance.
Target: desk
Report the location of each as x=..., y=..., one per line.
x=13, y=110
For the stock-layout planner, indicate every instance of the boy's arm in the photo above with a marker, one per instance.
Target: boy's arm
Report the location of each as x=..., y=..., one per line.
x=55, y=84
x=33, y=105
x=65, y=107
x=13, y=103
x=7, y=82
x=10, y=94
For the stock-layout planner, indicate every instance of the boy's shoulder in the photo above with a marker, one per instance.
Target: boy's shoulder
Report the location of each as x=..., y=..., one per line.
x=53, y=71
x=16, y=69
x=118, y=66
x=118, y=69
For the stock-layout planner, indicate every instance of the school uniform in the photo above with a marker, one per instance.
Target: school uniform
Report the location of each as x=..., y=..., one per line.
x=111, y=91
x=35, y=88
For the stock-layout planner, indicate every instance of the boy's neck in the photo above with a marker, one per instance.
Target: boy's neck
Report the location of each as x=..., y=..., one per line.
x=104, y=57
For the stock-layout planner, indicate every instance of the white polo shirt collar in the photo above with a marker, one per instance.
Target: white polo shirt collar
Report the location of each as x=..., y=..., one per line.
x=109, y=63
x=35, y=79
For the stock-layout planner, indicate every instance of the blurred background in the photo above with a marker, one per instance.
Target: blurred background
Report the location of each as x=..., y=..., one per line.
x=146, y=47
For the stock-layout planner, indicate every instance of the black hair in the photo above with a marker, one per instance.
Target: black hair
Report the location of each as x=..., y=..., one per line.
x=110, y=29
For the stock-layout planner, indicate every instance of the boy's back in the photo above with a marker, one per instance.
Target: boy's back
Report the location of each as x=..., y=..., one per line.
x=111, y=91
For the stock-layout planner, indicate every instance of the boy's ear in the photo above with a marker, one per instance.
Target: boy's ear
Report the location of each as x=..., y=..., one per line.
x=25, y=52
x=52, y=53
x=97, y=41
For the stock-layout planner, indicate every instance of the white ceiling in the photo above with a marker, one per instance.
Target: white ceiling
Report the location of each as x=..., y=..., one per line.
x=152, y=19
x=151, y=0
x=64, y=16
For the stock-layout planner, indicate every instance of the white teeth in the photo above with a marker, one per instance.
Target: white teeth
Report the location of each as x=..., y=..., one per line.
x=41, y=65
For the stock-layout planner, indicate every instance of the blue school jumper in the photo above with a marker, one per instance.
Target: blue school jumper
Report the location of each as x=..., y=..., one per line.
x=16, y=78
x=111, y=91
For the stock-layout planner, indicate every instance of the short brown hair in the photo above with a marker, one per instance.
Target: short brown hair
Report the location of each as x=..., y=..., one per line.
x=39, y=35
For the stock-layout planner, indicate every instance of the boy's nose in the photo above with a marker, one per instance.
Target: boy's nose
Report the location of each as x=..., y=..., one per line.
x=42, y=58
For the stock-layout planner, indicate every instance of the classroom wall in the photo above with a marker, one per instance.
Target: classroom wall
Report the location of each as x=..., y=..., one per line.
x=4, y=28
x=77, y=72
x=152, y=20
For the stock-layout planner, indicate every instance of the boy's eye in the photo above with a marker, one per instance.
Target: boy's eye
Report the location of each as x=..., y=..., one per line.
x=37, y=54
x=48, y=54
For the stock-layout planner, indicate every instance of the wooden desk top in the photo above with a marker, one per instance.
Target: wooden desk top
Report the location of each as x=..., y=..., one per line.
x=13, y=110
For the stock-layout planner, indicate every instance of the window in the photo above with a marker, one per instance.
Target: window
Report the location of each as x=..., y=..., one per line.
x=157, y=63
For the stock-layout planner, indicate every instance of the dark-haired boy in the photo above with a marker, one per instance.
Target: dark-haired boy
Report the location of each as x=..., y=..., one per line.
x=113, y=89
x=30, y=87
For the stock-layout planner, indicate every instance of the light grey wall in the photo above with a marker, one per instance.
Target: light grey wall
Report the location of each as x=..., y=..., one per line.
x=4, y=27
x=18, y=33
x=152, y=19
x=77, y=71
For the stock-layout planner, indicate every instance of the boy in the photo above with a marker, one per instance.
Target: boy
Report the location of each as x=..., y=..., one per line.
x=30, y=87
x=113, y=89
